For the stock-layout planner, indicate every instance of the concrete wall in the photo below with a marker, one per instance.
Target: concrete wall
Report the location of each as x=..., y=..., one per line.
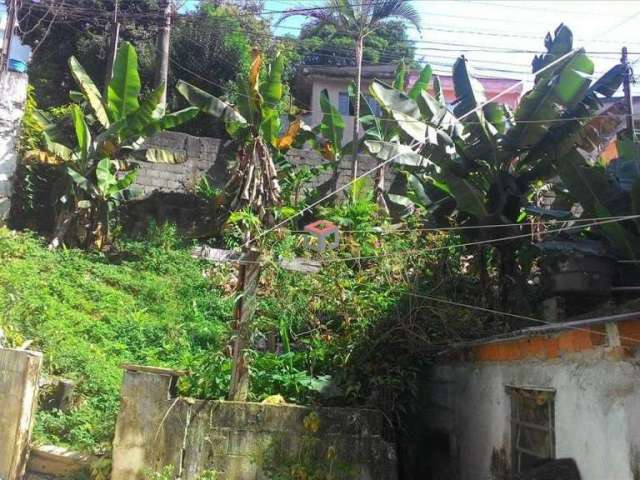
x=19, y=373
x=13, y=93
x=200, y=154
x=240, y=441
x=204, y=156
x=597, y=413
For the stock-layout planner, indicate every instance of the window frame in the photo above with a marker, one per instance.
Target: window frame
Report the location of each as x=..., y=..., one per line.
x=517, y=424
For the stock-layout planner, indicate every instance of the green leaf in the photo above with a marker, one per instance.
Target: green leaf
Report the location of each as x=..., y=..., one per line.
x=83, y=135
x=127, y=180
x=124, y=88
x=400, y=76
x=136, y=122
x=393, y=100
x=422, y=83
x=157, y=155
x=272, y=91
x=105, y=177
x=211, y=105
x=90, y=91
x=78, y=179
x=469, y=198
x=550, y=100
x=397, y=153
x=332, y=126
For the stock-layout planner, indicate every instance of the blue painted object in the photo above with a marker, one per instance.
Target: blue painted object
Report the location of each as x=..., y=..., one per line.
x=17, y=65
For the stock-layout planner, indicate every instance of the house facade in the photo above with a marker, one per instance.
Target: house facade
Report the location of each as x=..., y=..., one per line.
x=500, y=409
x=312, y=80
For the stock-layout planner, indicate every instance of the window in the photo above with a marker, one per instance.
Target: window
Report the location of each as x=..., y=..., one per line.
x=345, y=107
x=532, y=427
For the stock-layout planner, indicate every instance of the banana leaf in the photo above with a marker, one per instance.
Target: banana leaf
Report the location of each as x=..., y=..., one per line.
x=596, y=193
x=207, y=103
x=549, y=101
x=124, y=88
x=392, y=100
x=422, y=83
x=397, y=153
x=89, y=90
x=400, y=79
x=332, y=125
x=557, y=46
x=83, y=135
x=469, y=198
x=470, y=95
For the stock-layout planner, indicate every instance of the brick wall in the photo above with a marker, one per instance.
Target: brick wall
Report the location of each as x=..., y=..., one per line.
x=203, y=156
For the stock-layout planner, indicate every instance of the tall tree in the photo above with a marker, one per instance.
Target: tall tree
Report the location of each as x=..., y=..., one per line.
x=358, y=19
x=325, y=45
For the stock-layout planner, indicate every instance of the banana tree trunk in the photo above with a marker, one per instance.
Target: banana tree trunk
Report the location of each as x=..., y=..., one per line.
x=356, y=116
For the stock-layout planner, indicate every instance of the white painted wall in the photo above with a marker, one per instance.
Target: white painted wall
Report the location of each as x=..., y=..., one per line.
x=333, y=86
x=597, y=412
x=13, y=94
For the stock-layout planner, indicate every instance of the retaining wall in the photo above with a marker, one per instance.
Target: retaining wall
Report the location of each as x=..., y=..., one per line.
x=13, y=94
x=19, y=372
x=204, y=156
x=238, y=440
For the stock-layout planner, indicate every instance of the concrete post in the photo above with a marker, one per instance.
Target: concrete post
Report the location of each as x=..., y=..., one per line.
x=13, y=95
x=19, y=373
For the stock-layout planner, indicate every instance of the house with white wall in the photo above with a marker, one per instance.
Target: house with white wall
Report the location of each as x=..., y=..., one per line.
x=313, y=79
x=503, y=407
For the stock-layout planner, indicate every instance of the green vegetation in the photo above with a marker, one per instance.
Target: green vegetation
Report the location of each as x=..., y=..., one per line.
x=153, y=304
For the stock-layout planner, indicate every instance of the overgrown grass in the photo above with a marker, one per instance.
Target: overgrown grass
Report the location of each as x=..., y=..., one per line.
x=90, y=316
x=353, y=330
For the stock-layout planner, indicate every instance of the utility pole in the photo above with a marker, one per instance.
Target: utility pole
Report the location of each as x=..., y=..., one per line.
x=12, y=6
x=112, y=45
x=628, y=98
x=162, y=55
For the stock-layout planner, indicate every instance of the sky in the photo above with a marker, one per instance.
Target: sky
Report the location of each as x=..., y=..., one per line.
x=491, y=33
x=485, y=29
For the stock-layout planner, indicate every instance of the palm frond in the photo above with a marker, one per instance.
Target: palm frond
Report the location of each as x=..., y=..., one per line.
x=398, y=9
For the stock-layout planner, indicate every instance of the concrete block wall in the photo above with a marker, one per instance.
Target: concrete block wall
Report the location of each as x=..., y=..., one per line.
x=240, y=440
x=19, y=373
x=200, y=153
x=203, y=156
x=13, y=95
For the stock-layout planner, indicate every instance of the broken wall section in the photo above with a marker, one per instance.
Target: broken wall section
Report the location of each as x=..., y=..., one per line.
x=238, y=440
x=19, y=373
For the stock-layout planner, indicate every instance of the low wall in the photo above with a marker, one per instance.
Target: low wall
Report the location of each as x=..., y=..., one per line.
x=238, y=440
x=13, y=94
x=19, y=373
x=203, y=156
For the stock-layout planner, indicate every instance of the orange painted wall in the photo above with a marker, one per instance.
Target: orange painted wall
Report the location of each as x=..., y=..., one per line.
x=544, y=347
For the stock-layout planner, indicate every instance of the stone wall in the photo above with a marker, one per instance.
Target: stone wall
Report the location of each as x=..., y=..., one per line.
x=19, y=373
x=204, y=156
x=13, y=94
x=238, y=440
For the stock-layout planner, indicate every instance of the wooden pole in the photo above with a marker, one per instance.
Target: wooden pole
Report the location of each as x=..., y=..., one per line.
x=164, y=42
x=628, y=99
x=247, y=288
x=112, y=46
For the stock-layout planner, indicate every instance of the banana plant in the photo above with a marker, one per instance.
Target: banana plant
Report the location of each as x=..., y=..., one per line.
x=254, y=123
x=485, y=163
x=113, y=133
x=478, y=161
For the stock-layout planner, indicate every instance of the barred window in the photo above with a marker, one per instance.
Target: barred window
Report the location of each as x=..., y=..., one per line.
x=532, y=427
